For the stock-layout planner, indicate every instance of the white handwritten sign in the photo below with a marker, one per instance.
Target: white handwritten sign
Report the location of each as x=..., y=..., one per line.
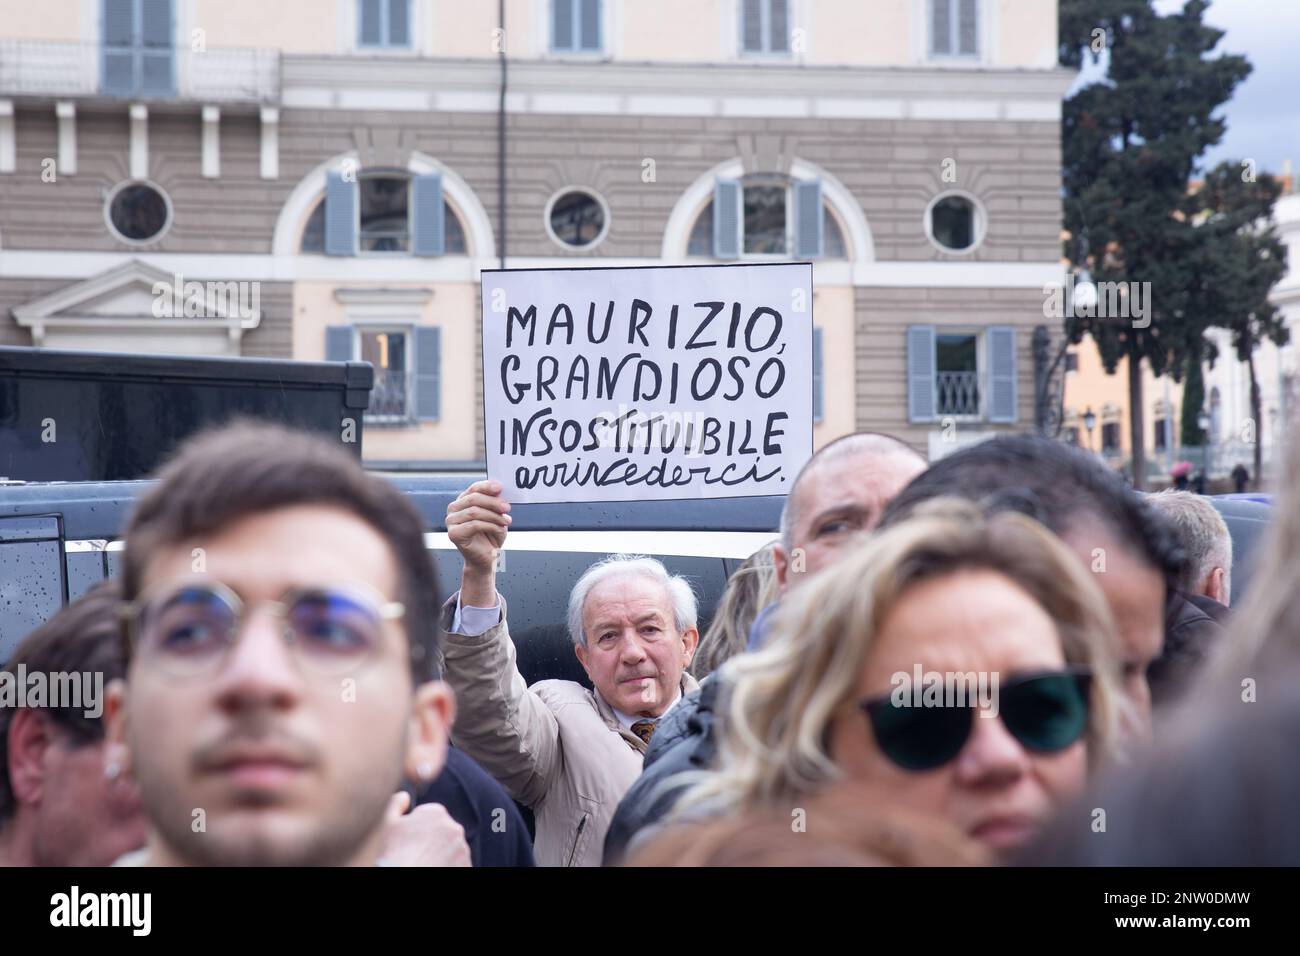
x=649, y=383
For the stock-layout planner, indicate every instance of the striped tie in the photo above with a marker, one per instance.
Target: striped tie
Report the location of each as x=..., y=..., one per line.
x=645, y=730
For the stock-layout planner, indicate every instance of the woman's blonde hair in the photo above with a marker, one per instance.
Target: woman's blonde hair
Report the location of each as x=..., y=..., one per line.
x=772, y=743
x=751, y=587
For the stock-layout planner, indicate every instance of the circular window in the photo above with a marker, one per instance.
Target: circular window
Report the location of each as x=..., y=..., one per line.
x=954, y=223
x=577, y=219
x=139, y=212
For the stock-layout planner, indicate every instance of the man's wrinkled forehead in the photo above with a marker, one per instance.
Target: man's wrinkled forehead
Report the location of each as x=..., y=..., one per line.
x=633, y=596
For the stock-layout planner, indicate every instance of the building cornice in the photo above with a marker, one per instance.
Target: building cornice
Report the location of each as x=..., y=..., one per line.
x=714, y=89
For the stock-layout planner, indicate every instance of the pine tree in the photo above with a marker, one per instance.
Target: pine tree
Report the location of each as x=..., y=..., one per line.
x=1238, y=260
x=1190, y=433
x=1130, y=146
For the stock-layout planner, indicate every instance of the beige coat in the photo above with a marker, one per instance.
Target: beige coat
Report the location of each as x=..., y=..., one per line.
x=557, y=747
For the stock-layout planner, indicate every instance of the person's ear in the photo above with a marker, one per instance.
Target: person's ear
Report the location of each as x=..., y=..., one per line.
x=117, y=754
x=30, y=736
x=581, y=652
x=690, y=642
x=781, y=565
x=433, y=711
x=1216, y=586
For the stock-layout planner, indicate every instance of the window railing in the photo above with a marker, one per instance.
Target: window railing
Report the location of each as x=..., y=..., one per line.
x=957, y=393
x=72, y=69
x=388, y=398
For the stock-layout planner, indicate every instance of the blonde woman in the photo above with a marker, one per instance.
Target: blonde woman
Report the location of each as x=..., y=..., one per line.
x=996, y=600
x=751, y=587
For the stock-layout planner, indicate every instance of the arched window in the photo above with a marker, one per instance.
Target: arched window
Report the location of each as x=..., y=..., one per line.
x=767, y=215
x=385, y=217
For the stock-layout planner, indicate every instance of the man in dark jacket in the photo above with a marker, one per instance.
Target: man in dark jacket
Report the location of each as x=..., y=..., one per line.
x=683, y=741
x=494, y=829
x=1197, y=611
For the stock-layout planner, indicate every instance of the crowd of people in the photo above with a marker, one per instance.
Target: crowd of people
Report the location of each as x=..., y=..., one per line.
x=1005, y=656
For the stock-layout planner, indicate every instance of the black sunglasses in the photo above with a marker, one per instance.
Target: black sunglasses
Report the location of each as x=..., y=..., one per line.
x=1046, y=712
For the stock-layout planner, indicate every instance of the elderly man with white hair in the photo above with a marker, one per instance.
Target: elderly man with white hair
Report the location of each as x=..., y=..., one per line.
x=1196, y=613
x=1204, y=536
x=567, y=752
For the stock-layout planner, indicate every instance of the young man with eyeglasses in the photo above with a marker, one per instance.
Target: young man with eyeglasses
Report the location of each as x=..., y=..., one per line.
x=281, y=611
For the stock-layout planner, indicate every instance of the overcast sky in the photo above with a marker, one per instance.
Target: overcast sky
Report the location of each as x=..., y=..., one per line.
x=1264, y=115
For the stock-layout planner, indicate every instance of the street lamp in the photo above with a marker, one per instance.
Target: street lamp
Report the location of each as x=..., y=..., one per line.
x=1085, y=290
x=1089, y=422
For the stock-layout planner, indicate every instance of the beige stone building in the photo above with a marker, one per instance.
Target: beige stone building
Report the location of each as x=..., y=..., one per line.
x=1093, y=394
x=356, y=163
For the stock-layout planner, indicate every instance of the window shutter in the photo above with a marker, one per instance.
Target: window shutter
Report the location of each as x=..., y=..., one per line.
x=119, y=23
x=941, y=27
x=119, y=45
x=819, y=387
x=399, y=22
x=562, y=24
x=1003, y=398
x=589, y=20
x=370, y=29
x=779, y=26
x=920, y=373
x=428, y=373
x=428, y=226
x=751, y=26
x=158, y=52
x=726, y=219
x=340, y=216
x=156, y=23
x=808, y=218
x=338, y=343
x=968, y=27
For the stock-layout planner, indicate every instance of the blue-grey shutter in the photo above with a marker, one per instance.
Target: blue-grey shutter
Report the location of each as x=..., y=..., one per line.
x=562, y=24
x=158, y=51
x=751, y=26
x=819, y=387
x=726, y=219
x=920, y=373
x=399, y=23
x=968, y=27
x=370, y=22
x=589, y=23
x=338, y=343
x=778, y=26
x=340, y=216
x=1003, y=399
x=428, y=373
x=119, y=41
x=941, y=27
x=808, y=222
x=428, y=227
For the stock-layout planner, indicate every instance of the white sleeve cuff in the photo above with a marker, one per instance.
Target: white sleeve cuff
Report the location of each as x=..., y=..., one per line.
x=472, y=621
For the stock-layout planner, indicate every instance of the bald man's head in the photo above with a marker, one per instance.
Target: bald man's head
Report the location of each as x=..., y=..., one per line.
x=840, y=493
